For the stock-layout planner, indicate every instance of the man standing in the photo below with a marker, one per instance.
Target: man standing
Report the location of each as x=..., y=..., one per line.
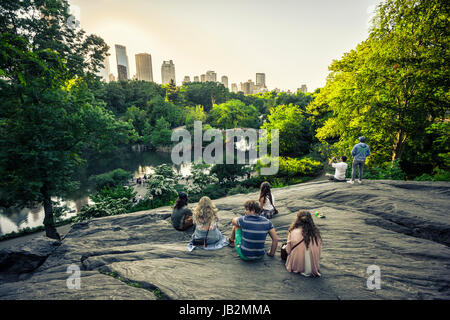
x=341, y=169
x=360, y=152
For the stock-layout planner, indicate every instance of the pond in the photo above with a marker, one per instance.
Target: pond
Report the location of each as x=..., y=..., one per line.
x=138, y=161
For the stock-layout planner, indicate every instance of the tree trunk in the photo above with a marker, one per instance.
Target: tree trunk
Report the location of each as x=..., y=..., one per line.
x=398, y=145
x=49, y=222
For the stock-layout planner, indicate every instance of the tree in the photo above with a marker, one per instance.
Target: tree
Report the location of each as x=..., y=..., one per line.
x=394, y=85
x=234, y=113
x=193, y=114
x=161, y=133
x=295, y=134
x=158, y=108
x=47, y=116
x=138, y=118
x=206, y=94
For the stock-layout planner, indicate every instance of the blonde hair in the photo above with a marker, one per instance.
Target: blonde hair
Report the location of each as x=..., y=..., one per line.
x=206, y=212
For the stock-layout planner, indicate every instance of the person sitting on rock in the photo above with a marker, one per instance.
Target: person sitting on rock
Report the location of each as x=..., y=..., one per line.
x=267, y=201
x=250, y=231
x=304, y=246
x=181, y=215
x=207, y=234
x=341, y=169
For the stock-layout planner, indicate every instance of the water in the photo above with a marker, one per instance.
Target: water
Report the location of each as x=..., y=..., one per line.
x=137, y=161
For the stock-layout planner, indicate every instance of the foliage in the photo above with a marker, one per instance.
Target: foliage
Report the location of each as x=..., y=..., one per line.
x=161, y=188
x=392, y=87
x=118, y=192
x=161, y=134
x=391, y=171
x=240, y=189
x=295, y=167
x=234, y=114
x=205, y=94
x=200, y=179
x=193, y=114
x=166, y=171
x=230, y=172
x=438, y=175
x=110, y=179
x=295, y=135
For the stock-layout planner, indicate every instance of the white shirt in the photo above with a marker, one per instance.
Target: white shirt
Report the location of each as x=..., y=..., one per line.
x=341, y=168
x=267, y=205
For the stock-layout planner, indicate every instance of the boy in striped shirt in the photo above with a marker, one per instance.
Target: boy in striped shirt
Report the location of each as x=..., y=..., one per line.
x=250, y=231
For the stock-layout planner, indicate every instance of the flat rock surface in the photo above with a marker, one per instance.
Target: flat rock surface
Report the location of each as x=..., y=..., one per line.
x=403, y=228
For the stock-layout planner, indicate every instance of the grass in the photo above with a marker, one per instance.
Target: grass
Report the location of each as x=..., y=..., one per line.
x=157, y=292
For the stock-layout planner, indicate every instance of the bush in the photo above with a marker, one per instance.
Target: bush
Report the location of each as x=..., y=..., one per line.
x=118, y=192
x=161, y=188
x=240, y=189
x=166, y=171
x=294, y=167
x=110, y=179
x=392, y=171
x=439, y=175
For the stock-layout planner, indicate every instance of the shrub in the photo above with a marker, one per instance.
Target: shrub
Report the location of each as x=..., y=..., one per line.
x=161, y=188
x=110, y=179
x=239, y=189
x=391, y=171
x=439, y=175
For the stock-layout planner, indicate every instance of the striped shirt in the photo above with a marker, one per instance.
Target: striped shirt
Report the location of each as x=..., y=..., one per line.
x=254, y=231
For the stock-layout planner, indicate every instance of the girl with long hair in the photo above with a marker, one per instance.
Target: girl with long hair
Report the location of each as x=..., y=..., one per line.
x=267, y=201
x=181, y=215
x=304, y=246
x=207, y=234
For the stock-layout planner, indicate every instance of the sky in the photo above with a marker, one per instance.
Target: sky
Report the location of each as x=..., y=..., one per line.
x=292, y=41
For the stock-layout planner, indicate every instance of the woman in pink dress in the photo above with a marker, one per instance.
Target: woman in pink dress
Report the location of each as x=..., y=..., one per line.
x=304, y=246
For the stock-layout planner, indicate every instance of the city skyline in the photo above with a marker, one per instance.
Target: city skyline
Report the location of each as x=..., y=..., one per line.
x=292, y=42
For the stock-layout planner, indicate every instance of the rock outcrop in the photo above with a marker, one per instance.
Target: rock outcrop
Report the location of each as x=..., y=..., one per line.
x=401, y=227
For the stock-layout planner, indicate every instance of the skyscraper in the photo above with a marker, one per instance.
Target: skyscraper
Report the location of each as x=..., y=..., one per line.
x=203, y=77
x=105, y=71
x=234, y=87
x=303, y=88
x=168, y=72
x=224, y=81
x=123, y=69
x=196, y=79
x=248, y=87
x=211, y=76
x=261, y=80
x=144, y=70
x=186, y=79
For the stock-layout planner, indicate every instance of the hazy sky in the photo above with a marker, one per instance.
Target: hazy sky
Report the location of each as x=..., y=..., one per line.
x=292, y=41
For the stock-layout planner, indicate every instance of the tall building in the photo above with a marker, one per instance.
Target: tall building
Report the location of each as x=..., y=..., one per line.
x=144, y=70
x=224, y=81
x=105, y=71
x=168, y=72
x=234, y=87
x=211, y=76
x=261, y=80
x=111, y=77
x=203, y=78
x=196, y=79
x=123, y=69
x=186, y=79
x=303, y=88
x=248, y=87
